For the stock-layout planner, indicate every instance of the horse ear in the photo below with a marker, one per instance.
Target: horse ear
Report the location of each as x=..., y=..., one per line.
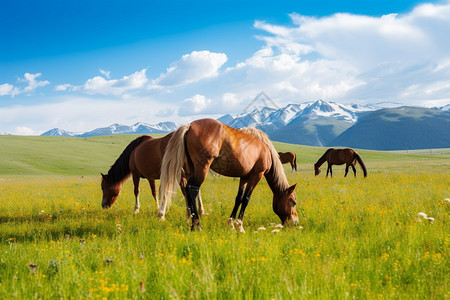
x=291, y=188
x=103, y=175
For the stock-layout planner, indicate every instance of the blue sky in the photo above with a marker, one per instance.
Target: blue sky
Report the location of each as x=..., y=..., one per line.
x=78, y=65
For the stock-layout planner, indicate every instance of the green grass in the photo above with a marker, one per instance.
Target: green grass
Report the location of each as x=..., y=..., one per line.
x=360, y=237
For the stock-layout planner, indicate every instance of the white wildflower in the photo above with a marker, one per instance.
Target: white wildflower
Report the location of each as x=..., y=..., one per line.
x=422, y=214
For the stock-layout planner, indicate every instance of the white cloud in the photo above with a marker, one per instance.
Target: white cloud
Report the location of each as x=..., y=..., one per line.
x=6, y=89
x=66, y=87
x=194, y=105
x=29, y=81
x=24, y=131
x=191, y=68
x=105, y=73
x=116, y=87
x=354, y=57
x=82, y=114
x=33, y=83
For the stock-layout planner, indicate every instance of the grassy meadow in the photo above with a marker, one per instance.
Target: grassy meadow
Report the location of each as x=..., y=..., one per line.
x=358, y=238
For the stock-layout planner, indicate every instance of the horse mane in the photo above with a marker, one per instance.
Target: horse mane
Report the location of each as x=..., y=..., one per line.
x=121, y=168
x=277, y=167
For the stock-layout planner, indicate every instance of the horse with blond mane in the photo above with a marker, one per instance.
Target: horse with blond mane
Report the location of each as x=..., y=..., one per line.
x=246, y=153
x=141, y=159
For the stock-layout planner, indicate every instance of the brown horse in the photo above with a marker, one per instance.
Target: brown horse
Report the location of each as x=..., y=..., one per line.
x=339, y=157
x=142, y=159
x=246, y=153
x=289, y=157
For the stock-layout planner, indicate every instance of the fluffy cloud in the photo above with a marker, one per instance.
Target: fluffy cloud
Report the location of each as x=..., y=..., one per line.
x=6, y=89
x=344, y=56
x=116, y=87
x=195, y=105
x=192, y=67
x=25, y=85
x=32, y=82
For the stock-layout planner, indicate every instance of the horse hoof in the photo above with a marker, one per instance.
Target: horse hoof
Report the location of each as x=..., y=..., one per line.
x=196, y=227
x=136, y=211
x=240, y=228
x=231, y=223
x=161, y=216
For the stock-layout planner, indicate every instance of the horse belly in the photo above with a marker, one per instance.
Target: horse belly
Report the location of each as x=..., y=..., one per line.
x=147, y=163
x=230, y=168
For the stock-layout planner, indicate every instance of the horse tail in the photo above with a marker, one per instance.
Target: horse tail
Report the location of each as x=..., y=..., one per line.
x=171, y=167
x=277, y=166
x=361, y=163
x=295, y=162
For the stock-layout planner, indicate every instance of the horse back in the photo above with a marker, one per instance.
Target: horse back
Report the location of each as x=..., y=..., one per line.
x=147, y=157
x=230, y=152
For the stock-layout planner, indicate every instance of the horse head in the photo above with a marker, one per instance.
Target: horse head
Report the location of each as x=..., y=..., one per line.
x=317, y=170
x=110, y=192
x=284, y=205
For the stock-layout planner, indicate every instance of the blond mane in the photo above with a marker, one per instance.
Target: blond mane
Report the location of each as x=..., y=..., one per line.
x=278, y=170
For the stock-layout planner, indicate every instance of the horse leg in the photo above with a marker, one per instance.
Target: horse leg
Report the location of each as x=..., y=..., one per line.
x=183, y=184
x=346, y=170
x=329, y=170
x=237, y=203
x=136, y=179
x=354, y=170
x=153, y=188
x=252, y=182
x=201, y=209
x=292, y=166
x=192, y=191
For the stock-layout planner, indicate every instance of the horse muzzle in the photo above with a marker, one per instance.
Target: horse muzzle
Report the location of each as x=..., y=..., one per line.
x=105, y=205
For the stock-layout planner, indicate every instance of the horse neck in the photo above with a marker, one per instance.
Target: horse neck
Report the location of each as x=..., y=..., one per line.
x=120, y=170
x=277, y=186
x=321, y=160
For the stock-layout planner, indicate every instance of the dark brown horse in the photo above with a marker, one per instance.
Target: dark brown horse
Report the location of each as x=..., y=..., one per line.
x=339, y=157
x=289, y=157
x=246, y=153
x=142, y=159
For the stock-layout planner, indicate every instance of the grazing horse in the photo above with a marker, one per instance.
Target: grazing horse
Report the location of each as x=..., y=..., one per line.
x=289, y=157
x=142, y=159
x=339, y=157
x=246, y=153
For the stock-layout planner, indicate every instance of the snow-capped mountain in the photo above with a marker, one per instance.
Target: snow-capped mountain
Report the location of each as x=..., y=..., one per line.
x=446, y=107
x=58, y=132
x=114, y=129
x=312, y=123
x=297, y=113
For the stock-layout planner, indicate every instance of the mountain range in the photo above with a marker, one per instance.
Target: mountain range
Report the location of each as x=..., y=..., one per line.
x=383, y=126
x=138, y=128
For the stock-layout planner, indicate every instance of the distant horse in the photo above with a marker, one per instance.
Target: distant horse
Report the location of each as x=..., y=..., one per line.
x=339, y=157
x=246, y=153
x=142, y=159
x=289, y=157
